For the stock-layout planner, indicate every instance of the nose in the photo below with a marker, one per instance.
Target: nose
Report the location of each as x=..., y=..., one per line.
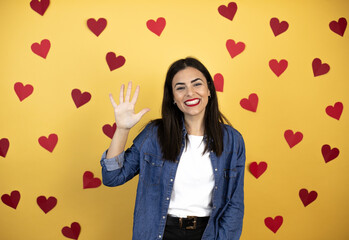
x=190, y=91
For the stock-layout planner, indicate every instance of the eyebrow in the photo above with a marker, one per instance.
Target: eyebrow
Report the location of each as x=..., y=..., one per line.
x=192, y=81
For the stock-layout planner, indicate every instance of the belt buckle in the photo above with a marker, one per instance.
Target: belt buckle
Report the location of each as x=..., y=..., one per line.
x=194, y=222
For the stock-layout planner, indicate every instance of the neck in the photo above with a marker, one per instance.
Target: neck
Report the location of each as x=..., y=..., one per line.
x=194, y=126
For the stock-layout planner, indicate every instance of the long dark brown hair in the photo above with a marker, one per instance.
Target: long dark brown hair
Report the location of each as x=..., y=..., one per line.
x=170, y=126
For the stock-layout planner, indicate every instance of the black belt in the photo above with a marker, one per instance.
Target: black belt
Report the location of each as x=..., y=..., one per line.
x=189, y=222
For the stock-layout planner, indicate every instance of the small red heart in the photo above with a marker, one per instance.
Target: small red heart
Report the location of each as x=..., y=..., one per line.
x=4, y=145
x=49, y=143
x=156, y=26
x=46, y=205
x=335, y=111
x=218, y=81
x=258, y=169
x=293, y=138
x=274, y=224
x=41, y=49
x=228, y=11
x=23, y=91
x=109, y=130
x=80, y=98
x=278, y=67
x=40, y=6
x=114, y=62
x=73, y=231
x=234, y=49
x=277, y=26
x=89, y=181
x=306, y=197
x=339, y=27
x=98, y=26
x=319, y=68
x=251, y=103
x=13, y=200
x=328, y=153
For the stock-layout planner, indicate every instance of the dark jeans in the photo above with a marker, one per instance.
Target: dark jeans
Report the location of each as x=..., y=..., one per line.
x=175, y=232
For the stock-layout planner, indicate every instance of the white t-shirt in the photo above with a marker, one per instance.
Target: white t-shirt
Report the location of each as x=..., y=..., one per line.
x=194, y=182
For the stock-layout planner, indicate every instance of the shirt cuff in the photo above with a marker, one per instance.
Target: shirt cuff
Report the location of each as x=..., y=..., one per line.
x=114, y=163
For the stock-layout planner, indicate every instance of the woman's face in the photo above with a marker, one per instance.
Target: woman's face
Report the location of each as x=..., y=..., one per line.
x=190, y=92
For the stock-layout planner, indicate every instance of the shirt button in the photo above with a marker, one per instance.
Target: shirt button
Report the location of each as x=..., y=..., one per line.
x=167, y=199
x=159, y=236
x=216, y=169
x=163, y=217
x=171, y=179
x=215, y=187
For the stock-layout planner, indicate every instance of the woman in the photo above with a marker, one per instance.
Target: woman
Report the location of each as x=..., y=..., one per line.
x=190, y=164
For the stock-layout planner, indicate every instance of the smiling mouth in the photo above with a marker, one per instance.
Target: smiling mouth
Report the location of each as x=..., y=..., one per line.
x=192, y=102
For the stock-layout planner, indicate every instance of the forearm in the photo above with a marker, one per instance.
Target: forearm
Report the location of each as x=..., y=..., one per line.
x=118, y=142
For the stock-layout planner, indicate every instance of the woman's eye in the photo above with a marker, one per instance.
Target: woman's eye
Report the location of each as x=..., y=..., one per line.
x=197, y=84
x=180, y=88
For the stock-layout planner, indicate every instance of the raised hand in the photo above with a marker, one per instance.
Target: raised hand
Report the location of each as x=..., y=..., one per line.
x=125, y=117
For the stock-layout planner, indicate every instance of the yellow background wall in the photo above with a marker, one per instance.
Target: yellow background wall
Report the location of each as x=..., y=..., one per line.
x=77, y=59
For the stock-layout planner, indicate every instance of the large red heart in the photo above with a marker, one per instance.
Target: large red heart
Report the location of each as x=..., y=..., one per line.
x=335, y=111
x=218, y=81
x=319, y=68
x=80, y=98
x=46, y=205
x=73, y=231
x=109, y=130
x=40, y=6
x=89, y=181
x=328, y=153
x=293, y=138
x=41, y=49
x=4, y=145
x=258, y=169
x=156, y=26
x=274, y=224
x=233, y=48
x=251, y=103
x=11, y=200
x=278, y=27
x=23, y=91
x=98, y=26
x=228, y=11
x=278, y=67
x=339, y=27
x=307, y=197
x=114, y=62
x=49, y=143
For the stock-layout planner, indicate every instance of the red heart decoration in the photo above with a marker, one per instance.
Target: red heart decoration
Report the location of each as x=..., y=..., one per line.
x=258, y=169
x=89, y=181
x=23, y=91
x=319, y=68
x=228, y=11
x=46, y=205
x=13, y=200
x=114, y=62
x=278, y=67
x=41, y=49
x=234, y=49
x=328, y=153
x=274, y=224
x=73, y=231
x=49, y=143
x=80, y=98
x=4, y=145
x=306, y=197
x=98, y=26
x=218, y=81
x=156, y=26
x=109, y=130
x=335, y=111
x=251, y=103
x=293, y=138
x=277, y=26
x=339, y=27
x=40, y=6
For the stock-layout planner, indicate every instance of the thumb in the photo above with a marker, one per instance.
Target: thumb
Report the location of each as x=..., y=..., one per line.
x=142, y=112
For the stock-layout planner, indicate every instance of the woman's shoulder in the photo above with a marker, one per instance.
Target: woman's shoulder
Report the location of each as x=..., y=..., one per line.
x=149, y=132
x=231, y=131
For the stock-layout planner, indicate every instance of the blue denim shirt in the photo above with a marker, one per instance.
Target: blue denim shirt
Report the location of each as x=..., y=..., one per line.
x=156, y=179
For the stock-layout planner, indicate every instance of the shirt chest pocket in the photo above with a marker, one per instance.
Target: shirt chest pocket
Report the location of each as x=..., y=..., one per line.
x=153, y=167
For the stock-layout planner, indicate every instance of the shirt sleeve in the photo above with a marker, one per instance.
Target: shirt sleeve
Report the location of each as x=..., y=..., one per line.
x=114, y=163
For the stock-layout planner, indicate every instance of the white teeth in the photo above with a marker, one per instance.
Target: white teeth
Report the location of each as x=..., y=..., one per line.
x=192, y=102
